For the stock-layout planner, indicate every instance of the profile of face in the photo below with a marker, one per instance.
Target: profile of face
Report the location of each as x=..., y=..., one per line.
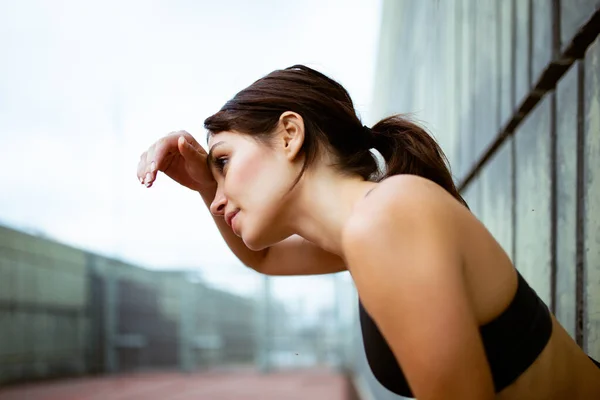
x=254, y=180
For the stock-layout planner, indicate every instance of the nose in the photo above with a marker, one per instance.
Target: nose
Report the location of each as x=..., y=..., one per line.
x=217, y=207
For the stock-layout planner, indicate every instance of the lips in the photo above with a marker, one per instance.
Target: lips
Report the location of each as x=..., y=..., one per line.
x=229, y=217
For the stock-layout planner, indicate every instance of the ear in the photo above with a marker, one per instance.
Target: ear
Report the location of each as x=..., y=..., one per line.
x=292, y=133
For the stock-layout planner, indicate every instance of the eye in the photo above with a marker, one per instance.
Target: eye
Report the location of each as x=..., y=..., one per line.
x=220, y=163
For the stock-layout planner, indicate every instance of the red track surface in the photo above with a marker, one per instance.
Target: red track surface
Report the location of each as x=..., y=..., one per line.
x=312, y=385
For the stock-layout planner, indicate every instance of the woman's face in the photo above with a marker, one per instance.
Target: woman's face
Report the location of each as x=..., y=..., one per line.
x=252, y=181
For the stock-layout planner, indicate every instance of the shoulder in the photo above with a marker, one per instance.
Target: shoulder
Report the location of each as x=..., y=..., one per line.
x=403, y=215
x=399, y=202
x=400, y=192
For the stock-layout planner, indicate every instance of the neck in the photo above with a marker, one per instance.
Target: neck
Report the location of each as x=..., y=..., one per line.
x=324, y=203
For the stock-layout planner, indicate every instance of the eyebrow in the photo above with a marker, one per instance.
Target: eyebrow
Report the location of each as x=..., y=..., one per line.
x=210, y=159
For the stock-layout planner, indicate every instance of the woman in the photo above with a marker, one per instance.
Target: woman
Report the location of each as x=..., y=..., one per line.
x=294, y=189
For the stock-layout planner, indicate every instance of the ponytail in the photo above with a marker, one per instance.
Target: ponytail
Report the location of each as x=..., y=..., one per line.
x=408, y=149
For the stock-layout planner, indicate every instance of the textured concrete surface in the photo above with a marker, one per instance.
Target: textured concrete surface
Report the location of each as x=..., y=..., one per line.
x=566, y=199
x=472, y=195
x=533, y=199
x=506, y=27
x=542, y=36
x=497, y=197
x=388, y=80
x=573, y=14
x=485, y=106
x=466, y=121
x=592, y=199
x=522, y=60
x=448, y=117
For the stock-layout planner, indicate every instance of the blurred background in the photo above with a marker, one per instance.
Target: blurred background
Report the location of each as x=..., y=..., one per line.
x=109, y=290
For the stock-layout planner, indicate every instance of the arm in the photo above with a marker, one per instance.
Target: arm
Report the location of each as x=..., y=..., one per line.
x=182, y=158
x=293, y=256
x=408, y=272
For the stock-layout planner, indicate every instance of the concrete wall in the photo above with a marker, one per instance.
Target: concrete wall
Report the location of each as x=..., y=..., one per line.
x=67, y=312
x=511, y=90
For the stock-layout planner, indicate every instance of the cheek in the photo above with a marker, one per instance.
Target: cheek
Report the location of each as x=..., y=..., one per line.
x=247, y=173
x=254, y=180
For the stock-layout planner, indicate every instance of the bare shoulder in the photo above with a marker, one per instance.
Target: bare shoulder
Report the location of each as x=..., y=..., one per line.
x=404, y=231
x=399, y=202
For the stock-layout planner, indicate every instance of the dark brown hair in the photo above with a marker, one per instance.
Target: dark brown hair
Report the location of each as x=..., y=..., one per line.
x=330, y=121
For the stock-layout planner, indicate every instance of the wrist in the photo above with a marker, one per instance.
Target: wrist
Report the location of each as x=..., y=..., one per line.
x=207, y=190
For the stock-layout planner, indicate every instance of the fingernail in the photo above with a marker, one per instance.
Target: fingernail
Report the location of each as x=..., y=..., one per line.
x=148, y=177
x=153, y=166
x=141, y=179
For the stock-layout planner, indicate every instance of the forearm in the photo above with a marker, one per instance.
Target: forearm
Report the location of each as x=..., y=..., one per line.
x=292, y=256
x=250, y=258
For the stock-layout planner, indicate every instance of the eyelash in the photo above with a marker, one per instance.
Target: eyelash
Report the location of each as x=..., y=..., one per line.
x=220, y=163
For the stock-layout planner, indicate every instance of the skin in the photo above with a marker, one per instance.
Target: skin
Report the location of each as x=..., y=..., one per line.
x=405, y=241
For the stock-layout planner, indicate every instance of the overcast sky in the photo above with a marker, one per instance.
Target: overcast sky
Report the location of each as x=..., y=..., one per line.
x=86, y=86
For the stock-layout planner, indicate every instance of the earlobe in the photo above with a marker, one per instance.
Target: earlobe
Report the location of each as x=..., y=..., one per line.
x=293, y=133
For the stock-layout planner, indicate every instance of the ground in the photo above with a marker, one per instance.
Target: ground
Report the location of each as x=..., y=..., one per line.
x=243, y=385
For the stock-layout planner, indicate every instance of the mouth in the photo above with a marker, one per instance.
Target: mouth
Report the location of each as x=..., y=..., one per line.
x=229, y=217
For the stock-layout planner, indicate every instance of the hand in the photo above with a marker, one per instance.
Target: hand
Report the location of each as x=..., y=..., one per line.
x=181, y=158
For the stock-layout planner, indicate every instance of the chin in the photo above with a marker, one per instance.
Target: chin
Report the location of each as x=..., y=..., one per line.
x=253, y=244
x=257, y=240
x=252, y=239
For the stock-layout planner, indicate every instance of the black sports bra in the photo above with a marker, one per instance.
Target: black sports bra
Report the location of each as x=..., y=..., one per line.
x=512, y=342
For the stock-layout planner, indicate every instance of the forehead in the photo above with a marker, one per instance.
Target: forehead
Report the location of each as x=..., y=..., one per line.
x=225, y=136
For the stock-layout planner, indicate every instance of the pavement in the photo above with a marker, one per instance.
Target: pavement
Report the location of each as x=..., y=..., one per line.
x=243, y=385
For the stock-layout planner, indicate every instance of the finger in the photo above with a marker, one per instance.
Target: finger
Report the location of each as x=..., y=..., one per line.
x=192, y=141
x=141, y=167
x=159, y=157
x=188, y=150
x=150, y=170
x=164, y=149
